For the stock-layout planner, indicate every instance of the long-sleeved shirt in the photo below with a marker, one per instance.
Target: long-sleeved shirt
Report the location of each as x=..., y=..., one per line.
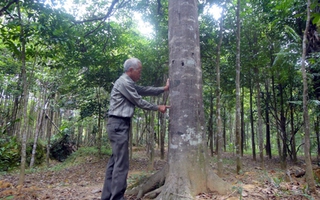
x=125, y=95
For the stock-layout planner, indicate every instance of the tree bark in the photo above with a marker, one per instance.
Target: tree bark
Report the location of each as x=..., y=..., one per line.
x=218, y=106
x=260, y=132
x=309, y=171
x=189, y=172
x=238, y=100
x=24, y=99
x=49, y=131
x=38, y=130
x=268, y=136
x=253, y=138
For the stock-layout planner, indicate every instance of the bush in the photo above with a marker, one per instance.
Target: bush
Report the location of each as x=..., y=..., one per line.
x=9, y=154
x=62, y=147
x=40, y=152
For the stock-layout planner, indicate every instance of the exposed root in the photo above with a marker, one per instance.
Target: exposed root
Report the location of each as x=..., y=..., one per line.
x=153, y=194
x=184, y=181
x=152, y=183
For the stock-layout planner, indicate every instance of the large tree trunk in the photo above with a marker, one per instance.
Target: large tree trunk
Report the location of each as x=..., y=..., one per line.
x=188, y=171
x=309, y=172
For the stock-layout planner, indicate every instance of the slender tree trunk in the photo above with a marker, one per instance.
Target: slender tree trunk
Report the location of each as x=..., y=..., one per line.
x=80, y=134
x=42, y=109
x=292, y=140
x=218, y=97
x=151, y=141
x=163, y=124
x=268, y=136
x=224, y=129
x=283, y=130
x=260, y=132
x=243, y=138
x=14, y=129
x=274, y=94
x=317, y=130
x=98, y=91
x=24, y=99
x=238, y=95
x=210, y=124
x=253, y=140
x=49, y=133
x=137, y=129
x=309, y=171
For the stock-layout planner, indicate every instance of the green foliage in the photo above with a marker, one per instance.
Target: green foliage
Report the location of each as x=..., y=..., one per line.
x=40, y=155
x=9, y=154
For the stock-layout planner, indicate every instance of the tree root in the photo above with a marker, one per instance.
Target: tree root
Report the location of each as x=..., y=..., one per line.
x=153, y=194
x=152, y=185
x=179, y=183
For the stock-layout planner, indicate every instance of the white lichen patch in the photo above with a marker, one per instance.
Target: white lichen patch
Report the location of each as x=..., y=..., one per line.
x=175, y=93
x=192, y=137
x=174, y=146
x=191, y=62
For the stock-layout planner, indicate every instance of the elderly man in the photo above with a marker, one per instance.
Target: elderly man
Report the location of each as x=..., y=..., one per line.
x=125, y=95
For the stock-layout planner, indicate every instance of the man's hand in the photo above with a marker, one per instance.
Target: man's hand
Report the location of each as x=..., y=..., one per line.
x=166, y=88
x=163, y=108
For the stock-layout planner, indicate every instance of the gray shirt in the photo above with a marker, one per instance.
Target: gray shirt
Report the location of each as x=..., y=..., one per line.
x=125, y=95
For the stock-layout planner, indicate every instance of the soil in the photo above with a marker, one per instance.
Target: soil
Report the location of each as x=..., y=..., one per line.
x=83, y=180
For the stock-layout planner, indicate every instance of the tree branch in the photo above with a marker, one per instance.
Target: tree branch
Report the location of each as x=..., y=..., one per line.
x=4, y=9
x=102, y=19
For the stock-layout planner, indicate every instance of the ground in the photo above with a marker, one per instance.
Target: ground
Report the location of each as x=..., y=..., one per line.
x=83, y=180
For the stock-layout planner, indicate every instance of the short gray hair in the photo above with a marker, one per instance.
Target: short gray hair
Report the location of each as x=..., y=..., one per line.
x=131, y=63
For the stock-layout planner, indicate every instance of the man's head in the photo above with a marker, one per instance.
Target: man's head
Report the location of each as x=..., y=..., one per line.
x=133, y=67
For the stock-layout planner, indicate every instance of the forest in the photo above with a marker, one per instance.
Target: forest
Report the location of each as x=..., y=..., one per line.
x=248, y=77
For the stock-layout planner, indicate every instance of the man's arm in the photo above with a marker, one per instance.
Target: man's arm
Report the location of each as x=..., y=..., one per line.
x=130, y=93
x=151, y=91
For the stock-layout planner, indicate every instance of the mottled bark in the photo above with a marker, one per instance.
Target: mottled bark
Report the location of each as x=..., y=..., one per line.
x=24, y=100
x=309, y=171
x=189, y=172
x=218, y=106
x=238, y=106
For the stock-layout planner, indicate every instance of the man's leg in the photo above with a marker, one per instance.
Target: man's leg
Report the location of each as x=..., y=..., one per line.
x=117, y=170
x=119, y=142
x=106, y=190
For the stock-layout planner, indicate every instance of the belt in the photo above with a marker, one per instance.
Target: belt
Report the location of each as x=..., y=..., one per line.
x=117, y=117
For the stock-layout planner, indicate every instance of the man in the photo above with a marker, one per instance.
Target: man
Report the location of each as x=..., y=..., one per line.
x=125, y=95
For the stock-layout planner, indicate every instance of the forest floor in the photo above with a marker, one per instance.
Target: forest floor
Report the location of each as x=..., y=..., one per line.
x=83, y=177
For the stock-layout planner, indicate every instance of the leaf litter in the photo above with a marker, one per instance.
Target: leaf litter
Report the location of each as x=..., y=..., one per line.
x=84, y=180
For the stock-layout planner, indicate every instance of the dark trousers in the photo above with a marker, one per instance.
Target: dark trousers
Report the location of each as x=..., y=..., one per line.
x=115, y=182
